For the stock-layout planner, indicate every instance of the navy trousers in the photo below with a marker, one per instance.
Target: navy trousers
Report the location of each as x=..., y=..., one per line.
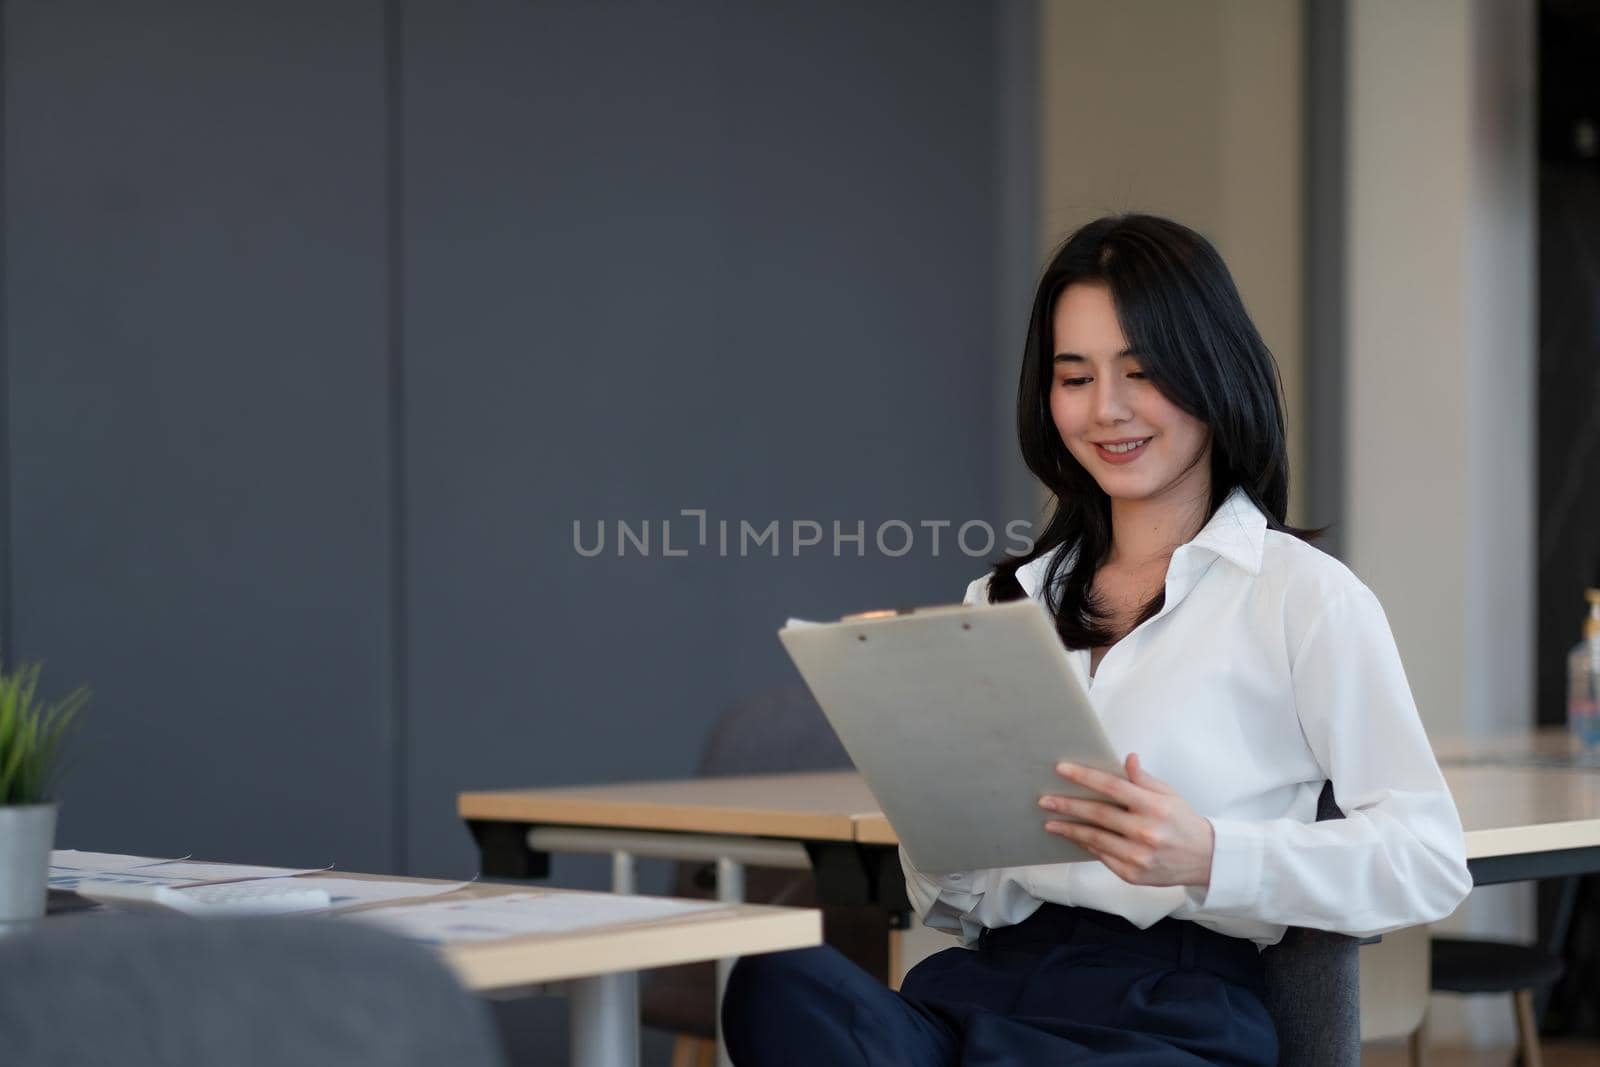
x=1068, y=985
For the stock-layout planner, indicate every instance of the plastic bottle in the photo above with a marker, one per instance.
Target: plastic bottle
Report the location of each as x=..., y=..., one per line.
x=1583, y=678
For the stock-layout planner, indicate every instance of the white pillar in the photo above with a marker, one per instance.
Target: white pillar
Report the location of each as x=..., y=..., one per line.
x=1191, y=110
x=1440, y=456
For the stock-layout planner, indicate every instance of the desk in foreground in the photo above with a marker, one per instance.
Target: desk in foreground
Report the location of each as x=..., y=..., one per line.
x=596, y=963
x=535, y=959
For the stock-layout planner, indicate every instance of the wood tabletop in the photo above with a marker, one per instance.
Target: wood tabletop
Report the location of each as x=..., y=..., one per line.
x=1505, y=810
x=812, y=807
x=1546, y=743
x=1508, y=811
x=726, y=930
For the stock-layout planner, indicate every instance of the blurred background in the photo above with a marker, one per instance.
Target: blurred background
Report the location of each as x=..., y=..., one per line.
x=333, y=333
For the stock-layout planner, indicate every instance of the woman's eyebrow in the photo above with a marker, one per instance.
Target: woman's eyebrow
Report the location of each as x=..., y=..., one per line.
x=1073, y=357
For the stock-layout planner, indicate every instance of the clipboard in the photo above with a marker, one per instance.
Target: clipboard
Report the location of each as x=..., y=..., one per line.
x=956, y=717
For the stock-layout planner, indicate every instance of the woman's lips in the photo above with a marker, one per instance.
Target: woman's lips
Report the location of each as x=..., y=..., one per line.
x=1123, y=457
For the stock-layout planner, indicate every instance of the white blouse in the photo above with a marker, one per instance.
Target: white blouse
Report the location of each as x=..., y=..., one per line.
x=1269, y=669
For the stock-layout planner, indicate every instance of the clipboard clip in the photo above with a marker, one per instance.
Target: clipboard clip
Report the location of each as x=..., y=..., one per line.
x=881, y=613
x=895, y=613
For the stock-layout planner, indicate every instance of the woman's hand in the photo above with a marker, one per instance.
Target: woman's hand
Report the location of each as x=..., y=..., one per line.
x=1143, y=830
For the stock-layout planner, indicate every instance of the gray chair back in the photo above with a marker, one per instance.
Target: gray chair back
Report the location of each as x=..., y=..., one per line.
x=776, y=732
x=1313, y=988
x=149, y=991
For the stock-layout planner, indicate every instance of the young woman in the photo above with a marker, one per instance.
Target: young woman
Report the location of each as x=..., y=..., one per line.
x=1238, y=667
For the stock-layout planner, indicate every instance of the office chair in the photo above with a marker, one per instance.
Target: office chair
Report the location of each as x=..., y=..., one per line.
x=774, y=733
x=1473, y=965
x=152, y=990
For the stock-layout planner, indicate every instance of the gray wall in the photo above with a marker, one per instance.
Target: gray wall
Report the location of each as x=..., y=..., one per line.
x=198, y=481
x=324, y=322
x=715, y=255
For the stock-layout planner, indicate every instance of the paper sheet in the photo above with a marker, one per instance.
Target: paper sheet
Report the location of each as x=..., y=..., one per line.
x=98, y=861
x=70, y=868
x=220, y=872
x=349, y=892
x=519, y=914
x=70, y=879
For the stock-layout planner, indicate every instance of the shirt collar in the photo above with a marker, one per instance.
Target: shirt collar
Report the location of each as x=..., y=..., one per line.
x=1236, y=533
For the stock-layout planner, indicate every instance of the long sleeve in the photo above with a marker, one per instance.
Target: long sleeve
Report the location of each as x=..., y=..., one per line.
x=1398, y=858
x=940, y=901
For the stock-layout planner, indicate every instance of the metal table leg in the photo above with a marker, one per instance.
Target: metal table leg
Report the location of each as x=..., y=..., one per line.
x=603, y=1020
x=730, y=890
x=622, y=872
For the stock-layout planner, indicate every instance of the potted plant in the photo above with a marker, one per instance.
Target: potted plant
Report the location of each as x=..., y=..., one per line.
x=31, y=736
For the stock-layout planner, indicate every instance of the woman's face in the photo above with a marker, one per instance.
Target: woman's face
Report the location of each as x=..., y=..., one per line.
x=1136, y=443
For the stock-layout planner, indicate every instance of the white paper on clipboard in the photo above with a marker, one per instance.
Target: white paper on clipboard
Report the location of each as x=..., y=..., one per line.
x=956, y=717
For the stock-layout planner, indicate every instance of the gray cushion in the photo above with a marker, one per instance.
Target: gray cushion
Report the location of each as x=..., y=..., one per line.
x=148, y=990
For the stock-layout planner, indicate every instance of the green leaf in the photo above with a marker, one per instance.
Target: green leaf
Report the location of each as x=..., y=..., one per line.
x=32, y=735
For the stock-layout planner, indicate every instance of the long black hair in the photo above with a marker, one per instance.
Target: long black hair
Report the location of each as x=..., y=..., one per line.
x=1180, y=310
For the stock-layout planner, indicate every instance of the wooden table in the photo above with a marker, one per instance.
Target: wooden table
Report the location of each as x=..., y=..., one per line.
x=1522, y=822
x=810, y=807
x=1547, y=744
x=597, y=967
x=818, y=816
x=1503, y=784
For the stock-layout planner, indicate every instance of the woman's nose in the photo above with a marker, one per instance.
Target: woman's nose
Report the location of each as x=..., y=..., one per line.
x=1111, y=404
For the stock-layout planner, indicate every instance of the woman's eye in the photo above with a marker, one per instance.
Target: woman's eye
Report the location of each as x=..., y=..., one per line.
x=1076, y=381
x=1139, y=374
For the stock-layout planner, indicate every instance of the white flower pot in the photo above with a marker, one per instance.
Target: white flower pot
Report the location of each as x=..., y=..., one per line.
x=27, y=832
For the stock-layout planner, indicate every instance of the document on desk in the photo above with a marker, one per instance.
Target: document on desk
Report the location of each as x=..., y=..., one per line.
x=520, y=914
x=99, y=861
x=351, y=892
x=221, y=872
x=70, y=868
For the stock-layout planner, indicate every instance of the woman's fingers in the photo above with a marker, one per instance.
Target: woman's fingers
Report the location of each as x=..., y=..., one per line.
x=1105, y=846
x=1118, y=789
x=1139, y=827
x=1099, y=813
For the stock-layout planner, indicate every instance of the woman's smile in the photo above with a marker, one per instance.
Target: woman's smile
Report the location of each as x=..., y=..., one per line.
x=1124, y=451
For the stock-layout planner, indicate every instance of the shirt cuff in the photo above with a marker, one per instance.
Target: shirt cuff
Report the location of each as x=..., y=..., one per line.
x=1235, y=867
